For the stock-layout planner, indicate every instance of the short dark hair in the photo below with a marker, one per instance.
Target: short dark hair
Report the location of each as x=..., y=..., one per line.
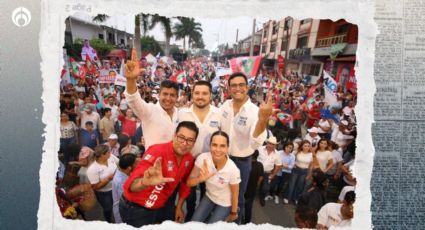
x=105, y=110
x=89, y=123
x=189, y=125
x=350, y=197
x=100, y=150
x=169, y=84
x=220, y=133
x=126, y=160
x=205, y=83
x=287, y=144
x=306, y=215
x=238, y=74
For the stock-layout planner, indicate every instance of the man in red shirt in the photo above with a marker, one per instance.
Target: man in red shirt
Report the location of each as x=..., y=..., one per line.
x=156, y=177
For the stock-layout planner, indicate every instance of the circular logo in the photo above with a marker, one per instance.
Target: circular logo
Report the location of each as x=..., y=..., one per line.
x=21, y=16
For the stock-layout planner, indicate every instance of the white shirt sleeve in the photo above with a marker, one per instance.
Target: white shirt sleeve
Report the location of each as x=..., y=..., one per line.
x=235, y=177
x=138, y=105
x=256, y=142
x=92, y=175
x=322, y=215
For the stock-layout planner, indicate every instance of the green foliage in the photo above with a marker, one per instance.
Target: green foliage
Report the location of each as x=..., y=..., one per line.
x=102, y=49
x=174, y=50
x=150, y=44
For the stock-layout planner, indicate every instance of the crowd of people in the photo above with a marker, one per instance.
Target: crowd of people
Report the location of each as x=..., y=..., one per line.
x=180, y=143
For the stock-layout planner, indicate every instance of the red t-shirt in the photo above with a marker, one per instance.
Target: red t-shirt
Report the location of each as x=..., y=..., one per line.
x=128, y=125
x=155, y=197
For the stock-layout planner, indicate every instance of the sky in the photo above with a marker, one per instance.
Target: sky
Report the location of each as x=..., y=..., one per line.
x=214, y=30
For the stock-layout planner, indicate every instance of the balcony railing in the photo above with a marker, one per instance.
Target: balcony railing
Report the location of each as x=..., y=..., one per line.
x=328, y=41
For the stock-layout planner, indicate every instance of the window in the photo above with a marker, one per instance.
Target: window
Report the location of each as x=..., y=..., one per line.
x=311, y=69
x=122, y=41
x=100, y=36
x=342, y=29
x=288, y=23
x=284, y=45
x=305, y=21
x=302, y=42
x=273, y=47
x=275, y=28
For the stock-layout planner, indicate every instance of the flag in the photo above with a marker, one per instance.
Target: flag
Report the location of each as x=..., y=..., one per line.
x=82, y=72
x=284, y=118
x=246, y=65
x=330, y=88
x=179, y=77
x=91, y=68
x=75, y=67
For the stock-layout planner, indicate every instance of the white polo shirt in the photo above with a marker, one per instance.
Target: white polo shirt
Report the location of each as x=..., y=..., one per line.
x=218, y=186
x=210, y=125
x=158, y=127
x=240, y=128
x=330, y=215
x=268, y=160
x=97, y=172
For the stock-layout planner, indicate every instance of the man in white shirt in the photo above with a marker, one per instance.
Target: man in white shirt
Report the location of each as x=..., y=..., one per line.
x=246, y=125
x=158, y=120
x=335, y=214
x=207, y=119
x=89, y=115
x=270, y=159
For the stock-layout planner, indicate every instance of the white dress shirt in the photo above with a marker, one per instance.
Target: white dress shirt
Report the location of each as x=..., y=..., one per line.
x=240, y=128
x=158, y=127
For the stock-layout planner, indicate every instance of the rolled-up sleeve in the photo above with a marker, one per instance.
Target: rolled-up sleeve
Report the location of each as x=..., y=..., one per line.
x=138, y=105
x=256, y=142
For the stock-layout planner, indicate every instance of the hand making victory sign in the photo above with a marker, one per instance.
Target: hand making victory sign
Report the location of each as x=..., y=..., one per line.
x=204, y=173
x=266, y=109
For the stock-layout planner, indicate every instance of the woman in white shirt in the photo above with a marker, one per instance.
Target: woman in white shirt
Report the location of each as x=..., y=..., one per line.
x=100, y=174
x=221, y=177
x=303, y=164
x=324, y=155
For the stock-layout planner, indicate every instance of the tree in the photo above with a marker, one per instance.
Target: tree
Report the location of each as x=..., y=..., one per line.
x=187, y=27
x=101, y=47
x=100, y=18
x=141, y=21
x=148, y=43
x=166, y=26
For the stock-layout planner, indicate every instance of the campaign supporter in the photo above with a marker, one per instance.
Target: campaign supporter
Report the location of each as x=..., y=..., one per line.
x=106, y=124
x=246, y=125
x=324, y=155
x=283, y=176
x=303, y=165
x=126, y=165
x=128, y=123
x=88, y=136
x=68, y=130
x=113, y=144
x=269, y=157
x=207, y=119
x=336, y=214
x=222, y=179
x=100, y=174
x=156, y=177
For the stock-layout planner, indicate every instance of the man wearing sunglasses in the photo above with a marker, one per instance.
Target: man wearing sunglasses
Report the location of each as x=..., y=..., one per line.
x=148, y=192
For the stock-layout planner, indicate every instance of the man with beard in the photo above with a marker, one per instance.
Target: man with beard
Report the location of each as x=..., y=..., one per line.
x=207, y=119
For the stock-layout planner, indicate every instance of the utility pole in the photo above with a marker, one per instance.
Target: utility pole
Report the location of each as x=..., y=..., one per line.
x=237, y=45
x=251, y=50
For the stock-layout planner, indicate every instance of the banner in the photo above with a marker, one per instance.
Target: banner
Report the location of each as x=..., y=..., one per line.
x=330, y=87
x=107, y=76
x=221, y=71
x=120, y=80
x=246, y=65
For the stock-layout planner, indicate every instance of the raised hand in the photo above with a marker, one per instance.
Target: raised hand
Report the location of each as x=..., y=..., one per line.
x=132, y=69
x=153, y=175
x=204, y=173
x=266, y=109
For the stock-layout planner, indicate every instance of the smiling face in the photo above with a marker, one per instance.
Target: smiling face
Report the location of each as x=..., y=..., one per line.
x=183, y=141
x=219, y=147
x=201, y=96
x=167, y=98
x=238, y=89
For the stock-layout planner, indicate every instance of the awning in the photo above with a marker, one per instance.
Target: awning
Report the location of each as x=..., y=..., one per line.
x=349, y=58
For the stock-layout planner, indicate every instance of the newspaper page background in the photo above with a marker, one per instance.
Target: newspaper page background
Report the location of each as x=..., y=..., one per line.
x=397, y=183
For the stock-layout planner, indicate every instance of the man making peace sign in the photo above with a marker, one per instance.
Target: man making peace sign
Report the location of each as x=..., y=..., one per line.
x=157, y=176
